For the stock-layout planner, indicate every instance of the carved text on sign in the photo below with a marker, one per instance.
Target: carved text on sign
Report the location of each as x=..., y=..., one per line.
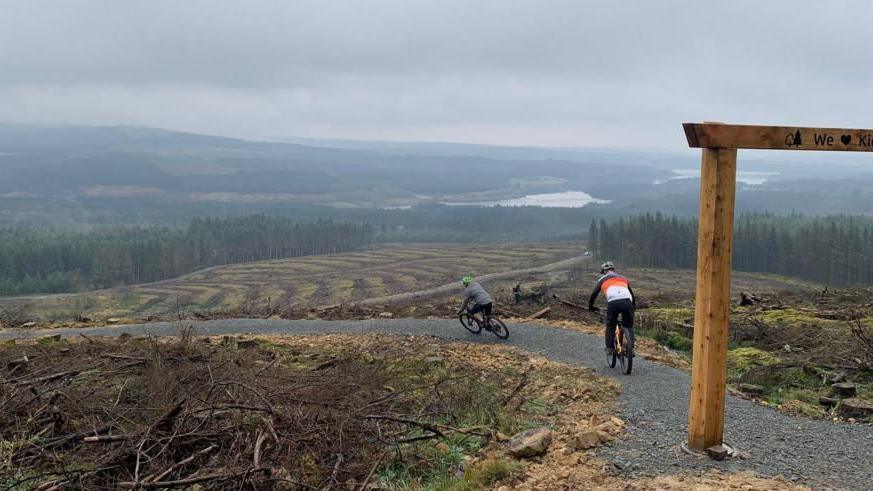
x=717, y=135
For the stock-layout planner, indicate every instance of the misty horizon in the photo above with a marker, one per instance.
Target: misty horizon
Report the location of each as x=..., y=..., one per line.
x=559, y=74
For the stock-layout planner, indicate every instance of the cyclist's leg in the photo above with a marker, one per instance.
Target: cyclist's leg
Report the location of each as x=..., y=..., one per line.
x=611, y=321
x=475, y=310
x=487, y=309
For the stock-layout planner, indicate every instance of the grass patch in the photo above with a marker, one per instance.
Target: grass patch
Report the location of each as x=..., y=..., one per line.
x=679, y=342
x=865, y=391
x=51, y=342
x=444, y=477
x=539, y=406
x=486, y=473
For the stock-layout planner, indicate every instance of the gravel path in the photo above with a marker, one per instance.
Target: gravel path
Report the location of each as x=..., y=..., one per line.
x=653, y=401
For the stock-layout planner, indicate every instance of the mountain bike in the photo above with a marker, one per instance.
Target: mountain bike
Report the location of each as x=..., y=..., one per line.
x=475, y=324
x=623, y=350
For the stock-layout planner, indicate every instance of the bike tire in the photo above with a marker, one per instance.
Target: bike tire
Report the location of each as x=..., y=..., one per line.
x=499, y=328
x=627, y=348
x=622, y=357
x=468, y=322
x=611, y=358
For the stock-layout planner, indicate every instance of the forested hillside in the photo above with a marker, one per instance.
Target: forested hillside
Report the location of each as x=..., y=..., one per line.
x=48, y=261
x=129, y=164
x=836, y=249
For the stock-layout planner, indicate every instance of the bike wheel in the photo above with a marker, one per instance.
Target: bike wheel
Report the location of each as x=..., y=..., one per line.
x=622, y=357
x=468, y=322
x=627, y=348
x=499, y=328
x=613, y=357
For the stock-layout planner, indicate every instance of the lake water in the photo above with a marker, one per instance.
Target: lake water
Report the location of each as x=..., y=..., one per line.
x=567, y=199
x=751, y=178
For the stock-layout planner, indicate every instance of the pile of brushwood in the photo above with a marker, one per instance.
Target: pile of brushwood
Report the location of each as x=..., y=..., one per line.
x=140, y=413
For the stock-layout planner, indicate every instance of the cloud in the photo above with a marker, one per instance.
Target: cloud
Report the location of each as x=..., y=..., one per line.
x=586, y=73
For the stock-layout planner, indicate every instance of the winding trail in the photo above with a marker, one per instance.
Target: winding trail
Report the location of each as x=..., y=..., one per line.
x=653, y=401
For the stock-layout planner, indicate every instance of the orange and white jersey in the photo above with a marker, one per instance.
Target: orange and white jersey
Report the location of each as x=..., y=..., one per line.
x=614, y=287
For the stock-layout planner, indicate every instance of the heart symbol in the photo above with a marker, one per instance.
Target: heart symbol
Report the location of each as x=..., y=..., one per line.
x=846, y=139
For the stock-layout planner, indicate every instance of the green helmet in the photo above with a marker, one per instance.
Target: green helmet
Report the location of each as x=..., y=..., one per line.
x=467, y=280
x=607, y=266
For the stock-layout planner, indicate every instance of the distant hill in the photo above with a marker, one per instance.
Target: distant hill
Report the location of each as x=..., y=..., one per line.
x=790, y=165
x=112, y=161
x=73, y=175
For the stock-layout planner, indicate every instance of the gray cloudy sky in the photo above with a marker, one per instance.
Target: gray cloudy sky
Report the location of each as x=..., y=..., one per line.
x=570, y=73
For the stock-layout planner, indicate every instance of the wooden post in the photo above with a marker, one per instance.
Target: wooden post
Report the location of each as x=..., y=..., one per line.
x=717, y=186
x=712, y=301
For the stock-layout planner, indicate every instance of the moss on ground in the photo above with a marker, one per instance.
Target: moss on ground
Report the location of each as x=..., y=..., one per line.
x=743, y=359
x=793, y=317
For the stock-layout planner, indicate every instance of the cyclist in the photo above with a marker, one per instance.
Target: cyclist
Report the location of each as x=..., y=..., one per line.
x=473, y=292
x=619, y=302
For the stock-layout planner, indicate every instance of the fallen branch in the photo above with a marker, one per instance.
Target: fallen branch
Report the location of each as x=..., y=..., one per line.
x=51, y=485
x=116, y=356
x=183, y=462
x=243, y=407
x=166, y=421
x=569, y=303
x=336, y=468
x=420, y=424
x=503, y=311
x=375, y=466
x=541, y=313
x=13, y=365
x=258, y=443
x=49, y=378
x=525, y=378
x=192, y=480
x=104, y=438
x=250, y=389
x=62, y=440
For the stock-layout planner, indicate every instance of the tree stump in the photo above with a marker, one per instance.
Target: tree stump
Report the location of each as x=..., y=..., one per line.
x=751, y=389
x=748, y=299
x=855, y=408
x=844, y=390
x=828, y=401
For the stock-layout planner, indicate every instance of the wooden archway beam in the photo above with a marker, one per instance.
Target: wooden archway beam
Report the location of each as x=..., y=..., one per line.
x=717, y=135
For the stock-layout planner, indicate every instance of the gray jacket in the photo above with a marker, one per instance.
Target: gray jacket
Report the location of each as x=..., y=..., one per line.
x=475, y=293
